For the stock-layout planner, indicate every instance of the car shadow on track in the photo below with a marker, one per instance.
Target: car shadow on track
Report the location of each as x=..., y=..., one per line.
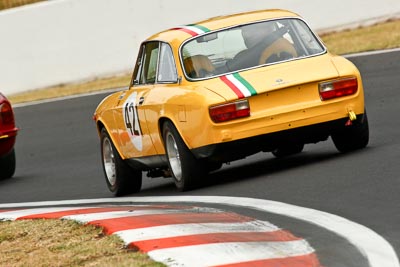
x=262, y=165
x=271, y=165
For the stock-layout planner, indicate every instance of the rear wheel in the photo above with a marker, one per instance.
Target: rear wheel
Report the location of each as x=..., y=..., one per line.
x=120, y=177
x=352, y=137
x=7, y=165
x=186, y=170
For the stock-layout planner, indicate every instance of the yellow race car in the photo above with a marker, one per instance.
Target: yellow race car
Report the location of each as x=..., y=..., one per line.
x=225, y=88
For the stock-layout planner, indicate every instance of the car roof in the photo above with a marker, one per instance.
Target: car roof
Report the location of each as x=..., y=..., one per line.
x=177, y=35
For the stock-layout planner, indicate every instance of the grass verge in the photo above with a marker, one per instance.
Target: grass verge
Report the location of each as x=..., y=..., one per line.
x=376, y=37
x=71, y=89
x=63, y=243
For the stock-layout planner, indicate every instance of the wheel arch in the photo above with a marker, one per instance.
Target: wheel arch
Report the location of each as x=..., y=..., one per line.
x=161, y=122
x=100, y=125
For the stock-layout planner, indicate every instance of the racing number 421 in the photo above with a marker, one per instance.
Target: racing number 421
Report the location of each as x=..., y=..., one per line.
x=132, y=119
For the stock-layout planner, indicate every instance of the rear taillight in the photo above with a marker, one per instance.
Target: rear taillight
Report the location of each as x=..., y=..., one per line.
x=6, y=114
x=338, y=88
x=230, y=111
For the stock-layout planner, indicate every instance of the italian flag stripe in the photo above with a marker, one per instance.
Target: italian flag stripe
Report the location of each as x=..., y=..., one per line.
x=202, y=28
x=232, y=86
x=245, y=83
x=239, y=85
x=193, y=29
x=187, y=30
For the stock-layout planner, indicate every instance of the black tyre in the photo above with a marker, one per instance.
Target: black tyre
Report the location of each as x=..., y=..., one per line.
x=120, y=177
x=355, y=136
x=186, y=170
x=288, y=150
x=7, y=165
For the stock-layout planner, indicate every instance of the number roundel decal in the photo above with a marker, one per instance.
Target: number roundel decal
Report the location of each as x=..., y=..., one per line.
x=131, y=120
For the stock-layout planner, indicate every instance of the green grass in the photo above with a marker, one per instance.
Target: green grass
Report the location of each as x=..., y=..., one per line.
x=64, y=243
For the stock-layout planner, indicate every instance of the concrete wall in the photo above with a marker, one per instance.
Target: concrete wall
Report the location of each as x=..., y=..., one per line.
x=64, y=41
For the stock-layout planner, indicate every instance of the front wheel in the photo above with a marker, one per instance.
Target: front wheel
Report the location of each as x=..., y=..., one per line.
x=352, y=137
x=120, y=177
x=7, y=165
x=187, y=171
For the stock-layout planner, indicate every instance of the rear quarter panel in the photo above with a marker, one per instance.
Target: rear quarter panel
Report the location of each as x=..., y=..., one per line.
x=187, y=107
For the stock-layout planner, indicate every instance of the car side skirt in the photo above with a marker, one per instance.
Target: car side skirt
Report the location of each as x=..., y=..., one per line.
x=148, y=163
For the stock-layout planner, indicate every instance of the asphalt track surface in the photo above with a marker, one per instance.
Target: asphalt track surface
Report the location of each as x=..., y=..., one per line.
x=58, y=159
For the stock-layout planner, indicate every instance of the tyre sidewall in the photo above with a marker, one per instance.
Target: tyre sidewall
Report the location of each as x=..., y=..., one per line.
x=128, y=180
x=192, y=169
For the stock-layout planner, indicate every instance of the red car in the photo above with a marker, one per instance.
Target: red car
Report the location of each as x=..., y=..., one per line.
x=8, y=133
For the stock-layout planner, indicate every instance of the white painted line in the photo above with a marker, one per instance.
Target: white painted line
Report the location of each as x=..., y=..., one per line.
x=236, y=251
x=176, y=230
x=375, y=248
x=370, y=53
x=37, y=102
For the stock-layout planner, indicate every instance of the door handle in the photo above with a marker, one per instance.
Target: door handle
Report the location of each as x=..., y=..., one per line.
x=141, y=100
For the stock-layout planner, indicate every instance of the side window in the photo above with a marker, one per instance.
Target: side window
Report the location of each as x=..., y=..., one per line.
x=138, y=70
x=146, y=65
x=150, y=62
x=167, y=68
x=306, y=38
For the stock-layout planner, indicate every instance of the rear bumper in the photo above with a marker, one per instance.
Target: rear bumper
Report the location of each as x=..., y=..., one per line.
x=233, y=150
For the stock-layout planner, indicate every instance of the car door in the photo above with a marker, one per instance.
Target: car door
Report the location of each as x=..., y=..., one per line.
x=153, y=68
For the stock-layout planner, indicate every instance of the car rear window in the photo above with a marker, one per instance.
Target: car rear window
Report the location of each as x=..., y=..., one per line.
x=248, y=46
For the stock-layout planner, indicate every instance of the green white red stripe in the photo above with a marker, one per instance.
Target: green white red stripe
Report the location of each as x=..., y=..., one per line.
x=193, y=29
x=240, y=86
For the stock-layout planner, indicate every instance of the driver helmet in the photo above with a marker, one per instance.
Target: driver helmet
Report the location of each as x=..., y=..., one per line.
x=255, y=33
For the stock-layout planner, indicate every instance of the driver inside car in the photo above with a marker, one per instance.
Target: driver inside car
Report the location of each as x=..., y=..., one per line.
x=264, y=44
